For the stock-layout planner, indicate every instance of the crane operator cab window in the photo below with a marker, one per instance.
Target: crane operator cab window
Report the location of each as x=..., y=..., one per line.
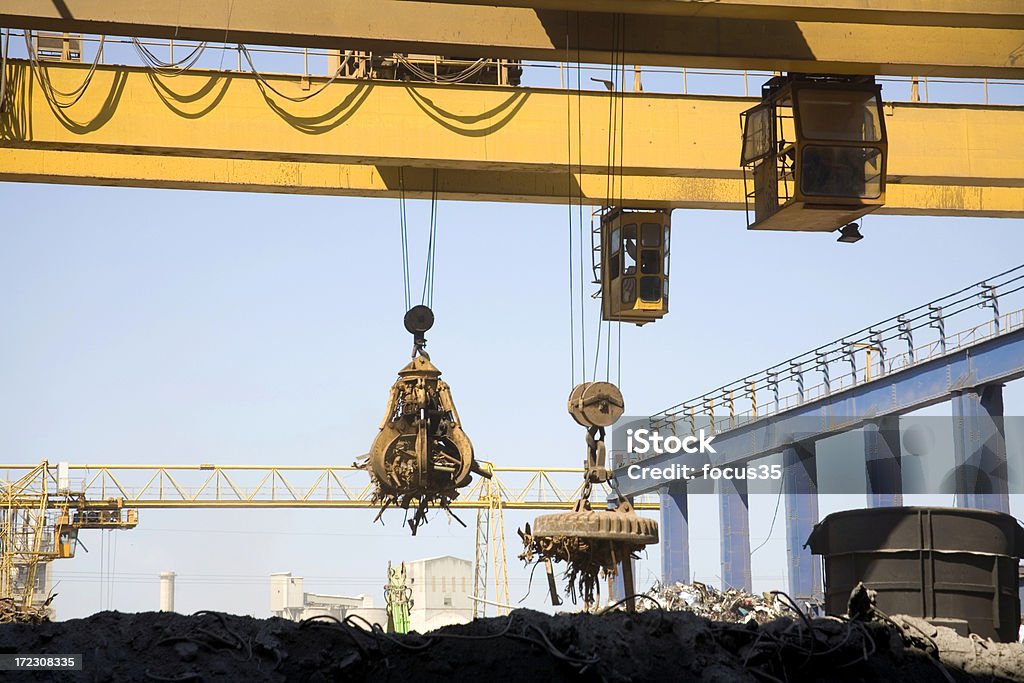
x=815, y=149
x=634, y=268
x=831, y=170
x=65, y=538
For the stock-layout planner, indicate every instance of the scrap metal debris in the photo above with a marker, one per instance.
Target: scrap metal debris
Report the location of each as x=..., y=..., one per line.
x=591, y=543
x=421, y=457
x=732, y=605
x=12, y=612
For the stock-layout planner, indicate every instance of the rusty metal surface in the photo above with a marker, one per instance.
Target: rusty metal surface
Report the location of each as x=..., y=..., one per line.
x=605, y=525
x=732, y=605
x=593, y=544
x=12, y=612
x=596, y=404
x=421, y=457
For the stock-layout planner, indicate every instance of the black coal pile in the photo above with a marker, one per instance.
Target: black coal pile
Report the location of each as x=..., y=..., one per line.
x=654, y=645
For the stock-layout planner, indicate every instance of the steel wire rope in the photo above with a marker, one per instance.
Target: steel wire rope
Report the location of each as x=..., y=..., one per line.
x=608, y=352
x=618, y=377
x=51, y=92
x=614, y=167
x=579, y=205
x=597, y=352
x=569, y=207
x=405, y=238
x=227, y=29
x=427, y=291
x=622, y=155
x=263, y=83
x=4, y=49
x=775, y=515
x=427, y=296
x=464, y=75
x=169, y=69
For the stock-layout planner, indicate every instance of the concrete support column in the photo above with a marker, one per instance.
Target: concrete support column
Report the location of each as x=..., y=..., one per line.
x=800, y=486
x=675, y=534
x=734, y=511
x=167, y=591
x=979, y=441
x=883, y=462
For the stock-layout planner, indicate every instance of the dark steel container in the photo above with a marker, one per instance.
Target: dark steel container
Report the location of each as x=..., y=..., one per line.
x=952, y=566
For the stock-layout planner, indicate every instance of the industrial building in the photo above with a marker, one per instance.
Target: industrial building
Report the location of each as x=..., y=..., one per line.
x=441, y=595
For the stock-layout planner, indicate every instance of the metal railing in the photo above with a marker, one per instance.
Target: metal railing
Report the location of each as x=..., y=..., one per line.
x=884, y=348
x=183, y=56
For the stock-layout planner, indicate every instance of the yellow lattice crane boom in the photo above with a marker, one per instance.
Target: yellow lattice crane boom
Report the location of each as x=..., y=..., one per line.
x=43, y=506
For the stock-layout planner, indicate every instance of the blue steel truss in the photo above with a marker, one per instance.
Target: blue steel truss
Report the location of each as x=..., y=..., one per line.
x=996, y=360
x=878, y=381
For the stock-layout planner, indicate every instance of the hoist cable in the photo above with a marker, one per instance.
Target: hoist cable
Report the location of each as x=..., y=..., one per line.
x=608, y=353
x=427, y=290
x=52, y=94
x=622, y=150
x=618, y=374
x=614, y=171
x=464, y=75
x=172, y=68
x=569, y=198
x=264, y=84
x=427, y=296
x=4, y=49
x=405, y=238
x=597, y=352
x=609, y=186
x=579, y=166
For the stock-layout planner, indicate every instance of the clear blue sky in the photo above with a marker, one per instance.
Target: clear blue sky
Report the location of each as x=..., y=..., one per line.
x=149, y=326
x=163, y=327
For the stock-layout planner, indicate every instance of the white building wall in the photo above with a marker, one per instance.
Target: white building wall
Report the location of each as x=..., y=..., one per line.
x=441, y=589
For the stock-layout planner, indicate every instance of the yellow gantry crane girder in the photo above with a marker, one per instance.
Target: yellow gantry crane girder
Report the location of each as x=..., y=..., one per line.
x=980, y=38
x=132, y=127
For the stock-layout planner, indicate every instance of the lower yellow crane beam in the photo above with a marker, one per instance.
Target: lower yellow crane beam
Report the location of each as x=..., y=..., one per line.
x=245, y=175
x=761, y=35
x=230, y=131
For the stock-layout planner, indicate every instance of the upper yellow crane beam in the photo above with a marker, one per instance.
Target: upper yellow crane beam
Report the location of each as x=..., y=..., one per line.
x=266, y=486
x=973, y=13
x=737, y=34
x=228, y=131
